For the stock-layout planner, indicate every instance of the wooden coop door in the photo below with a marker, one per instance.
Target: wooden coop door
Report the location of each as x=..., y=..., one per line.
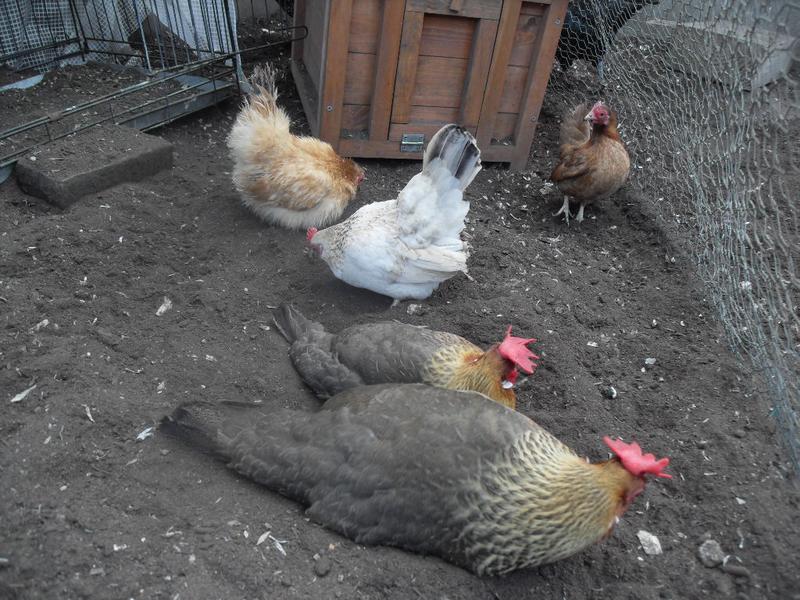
x=446, y=50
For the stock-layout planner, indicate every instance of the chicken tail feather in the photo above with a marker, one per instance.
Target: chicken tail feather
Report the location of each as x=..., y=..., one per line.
x=574, y=129
x=209, y=426
x=263, y=95
x=458, y=151
x=293, y=326
x=195, y=423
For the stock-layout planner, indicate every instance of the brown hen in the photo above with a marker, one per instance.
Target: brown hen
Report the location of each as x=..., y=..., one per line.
x=593, y=160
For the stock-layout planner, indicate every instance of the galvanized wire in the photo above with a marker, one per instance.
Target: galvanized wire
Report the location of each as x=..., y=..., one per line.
x=709, y=105
x=154, y=34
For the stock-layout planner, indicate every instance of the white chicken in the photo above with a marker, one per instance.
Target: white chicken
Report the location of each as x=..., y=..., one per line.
x=404, y=248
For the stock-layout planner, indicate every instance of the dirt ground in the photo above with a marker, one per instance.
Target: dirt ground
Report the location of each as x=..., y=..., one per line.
x=88, y=511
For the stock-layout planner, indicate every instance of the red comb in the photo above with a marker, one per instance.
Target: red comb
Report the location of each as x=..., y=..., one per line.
x=637, y=464
x=516, y=350
x=310, y=233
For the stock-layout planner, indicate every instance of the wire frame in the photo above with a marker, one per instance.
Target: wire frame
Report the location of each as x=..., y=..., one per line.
x=709, y=105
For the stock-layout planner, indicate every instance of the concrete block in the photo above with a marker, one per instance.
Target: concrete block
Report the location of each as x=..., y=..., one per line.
x=91, y=161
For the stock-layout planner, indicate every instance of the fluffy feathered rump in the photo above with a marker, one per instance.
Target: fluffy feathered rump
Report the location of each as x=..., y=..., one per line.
x=405, y=248
x=290, y=180
x=431, y=208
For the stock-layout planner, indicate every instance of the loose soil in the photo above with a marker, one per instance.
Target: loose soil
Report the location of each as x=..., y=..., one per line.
x=89, y=511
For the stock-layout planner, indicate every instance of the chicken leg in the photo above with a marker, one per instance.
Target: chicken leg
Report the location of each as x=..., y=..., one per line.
x=579, y=216
x=565, y=209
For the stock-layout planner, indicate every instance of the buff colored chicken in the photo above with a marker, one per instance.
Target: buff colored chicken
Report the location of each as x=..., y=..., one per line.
x=289, y=180
x=593, y=160
x=431, y=470
x=394, y=352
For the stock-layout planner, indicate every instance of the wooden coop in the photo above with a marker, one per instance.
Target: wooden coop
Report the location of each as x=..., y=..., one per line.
x=379, y=77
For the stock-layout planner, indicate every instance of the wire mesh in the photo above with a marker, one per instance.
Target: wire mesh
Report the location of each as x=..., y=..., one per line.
x=154, y=34
x=37, y=32
x=709, y=107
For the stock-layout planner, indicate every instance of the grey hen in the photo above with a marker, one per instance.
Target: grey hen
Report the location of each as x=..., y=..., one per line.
x=431, y=470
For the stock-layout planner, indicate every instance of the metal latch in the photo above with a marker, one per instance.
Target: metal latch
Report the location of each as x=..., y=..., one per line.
x=412, y=142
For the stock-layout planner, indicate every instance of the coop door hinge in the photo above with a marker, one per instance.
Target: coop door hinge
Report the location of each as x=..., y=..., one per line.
x=412, y=142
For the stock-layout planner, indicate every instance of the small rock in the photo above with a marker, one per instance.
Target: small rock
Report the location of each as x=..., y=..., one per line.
x=739, y=433
x=416, y=309
x=710, y=553
x=649, y=361
x=609, y=392
x=322, y=566
x=649, y=542
x=701, y=444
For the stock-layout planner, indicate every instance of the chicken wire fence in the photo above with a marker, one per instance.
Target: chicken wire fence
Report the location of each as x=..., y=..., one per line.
x=708, y=101
x=186, y=50
x=35, y=34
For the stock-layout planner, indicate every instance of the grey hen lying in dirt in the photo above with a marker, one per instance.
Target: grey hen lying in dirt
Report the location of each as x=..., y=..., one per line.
x=432, y=470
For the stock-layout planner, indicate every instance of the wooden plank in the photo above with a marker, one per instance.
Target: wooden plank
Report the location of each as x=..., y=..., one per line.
x=505, y=124
x=308, y=95
x=440, y=82
x=423, y=117
x=299, y=20
x=447, y=36
x=365, y=26
x=513, y=89
x=397, y=130
x=386, y=71
x=355, y=117
x=544, y=53
x=537, y=8
x=477, y=72
x=497, y=154
x=506, y=33
x=359, y=78
x=407, y=65
x=434, y=114
x=314, y=49
x=475, y=9
x=331, y=98
x=389, y=149
x=527, y=31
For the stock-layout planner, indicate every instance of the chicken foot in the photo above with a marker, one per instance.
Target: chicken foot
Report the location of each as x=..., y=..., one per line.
x=565, y=210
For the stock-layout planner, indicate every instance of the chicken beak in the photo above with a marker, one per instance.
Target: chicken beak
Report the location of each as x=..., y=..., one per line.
x=507, y=385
